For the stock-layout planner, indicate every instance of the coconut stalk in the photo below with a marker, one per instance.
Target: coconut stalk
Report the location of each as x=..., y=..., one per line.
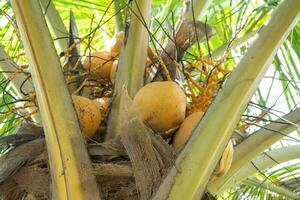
x=264, y=162
x=56, y=23
x=132, y=62
x=118, y=4
x=68, y=158
x=133, y=55
x=188, y=30
x=196, y=162
x=271, y=187
x=257, y=142
x=7, y=65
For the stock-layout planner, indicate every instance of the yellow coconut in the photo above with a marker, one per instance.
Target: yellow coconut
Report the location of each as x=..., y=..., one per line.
x=117, y=44
x=102, y=103
x=88, y=114
x=161, y=105
x=226, y=160
x=113, y=71
x=186, y=129
x=99, y=63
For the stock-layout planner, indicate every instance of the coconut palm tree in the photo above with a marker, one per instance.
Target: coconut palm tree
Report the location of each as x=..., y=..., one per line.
x=251, y=48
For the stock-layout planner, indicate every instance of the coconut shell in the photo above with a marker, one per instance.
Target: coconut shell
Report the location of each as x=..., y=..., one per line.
x=186, y=129
x=88, y=115
x=99, y=64
x=102, y=103
x=161, y=105
x=113, y=71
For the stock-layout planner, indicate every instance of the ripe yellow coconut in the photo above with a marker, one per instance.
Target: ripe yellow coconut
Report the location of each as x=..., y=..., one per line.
x=117, y=44
x=186, y=129
x=102, y=103
x=88, y=114
x=113, y=71
x=161, y=105
x=225, y=162
x=99, y=64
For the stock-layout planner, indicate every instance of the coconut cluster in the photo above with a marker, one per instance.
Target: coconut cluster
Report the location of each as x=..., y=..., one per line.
x=102, y=65
x=162, y=106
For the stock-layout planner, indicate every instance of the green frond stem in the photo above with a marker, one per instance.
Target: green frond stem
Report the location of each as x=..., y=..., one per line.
x=70, y=167
x=133, y=55
x=265, y=184
x=119, y=25
x=56, y=23
x=170, y=6
x=132, y=62
x=196, y=162
x=265, y=161
x=254, y=145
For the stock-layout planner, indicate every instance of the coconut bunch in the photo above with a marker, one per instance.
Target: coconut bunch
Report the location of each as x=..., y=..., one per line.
x=92, y=104
x=174, y=112
x=163, y=107
x=201, y=90
x=94, y=74
x=169, y=110
x=102, y=65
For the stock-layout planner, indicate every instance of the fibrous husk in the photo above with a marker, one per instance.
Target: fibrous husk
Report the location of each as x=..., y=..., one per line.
x=129, y=167
x=149, y=155
x=29, y=179
x=15, y=158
